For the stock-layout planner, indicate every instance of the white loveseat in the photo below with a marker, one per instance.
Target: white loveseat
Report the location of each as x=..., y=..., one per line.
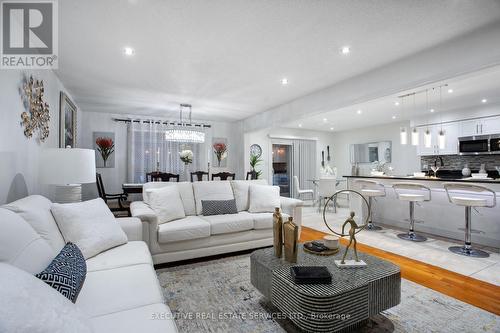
x=121, y=292
x=200, y=236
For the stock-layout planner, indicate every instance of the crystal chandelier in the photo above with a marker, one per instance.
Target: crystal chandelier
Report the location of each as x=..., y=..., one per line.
x=185, y=132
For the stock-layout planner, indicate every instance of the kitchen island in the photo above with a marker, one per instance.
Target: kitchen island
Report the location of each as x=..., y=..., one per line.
x=439, y=216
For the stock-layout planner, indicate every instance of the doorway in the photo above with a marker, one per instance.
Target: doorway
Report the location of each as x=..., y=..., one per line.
x=282, y=165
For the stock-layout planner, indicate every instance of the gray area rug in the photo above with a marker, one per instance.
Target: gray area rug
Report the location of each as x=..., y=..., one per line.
x=217, y=296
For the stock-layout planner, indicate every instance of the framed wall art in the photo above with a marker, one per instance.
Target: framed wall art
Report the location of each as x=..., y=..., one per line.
x=67, y=122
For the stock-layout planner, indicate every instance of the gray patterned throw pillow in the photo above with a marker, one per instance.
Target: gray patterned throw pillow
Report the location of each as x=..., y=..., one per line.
x=218, y=207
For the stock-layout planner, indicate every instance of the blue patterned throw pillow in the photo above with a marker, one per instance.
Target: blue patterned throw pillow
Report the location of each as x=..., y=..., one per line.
x=218, y=207
x=66, y=273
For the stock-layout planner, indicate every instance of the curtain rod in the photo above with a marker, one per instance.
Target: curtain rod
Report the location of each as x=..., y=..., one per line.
x=160, y=122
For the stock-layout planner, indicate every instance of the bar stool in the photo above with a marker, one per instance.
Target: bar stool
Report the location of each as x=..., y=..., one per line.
x=423, y=194
x=468, y=196
x=371, y=189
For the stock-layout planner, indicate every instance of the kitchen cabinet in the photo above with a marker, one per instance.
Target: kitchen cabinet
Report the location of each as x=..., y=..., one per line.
x=483, y=126
x=451, y=131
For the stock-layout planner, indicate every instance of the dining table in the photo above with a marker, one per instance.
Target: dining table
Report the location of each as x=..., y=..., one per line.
x=130, y=188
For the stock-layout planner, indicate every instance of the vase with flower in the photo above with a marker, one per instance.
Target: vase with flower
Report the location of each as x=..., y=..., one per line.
x=186, y=157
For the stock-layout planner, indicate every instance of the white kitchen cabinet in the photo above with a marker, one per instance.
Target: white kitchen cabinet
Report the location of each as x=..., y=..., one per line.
x=451, y=131
x=483, y=126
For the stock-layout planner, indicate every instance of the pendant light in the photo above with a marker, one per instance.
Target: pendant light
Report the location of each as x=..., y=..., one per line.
x=442, y=136
x=414, y=132
x=403, y=134
x=185, y=131
x=427, y=134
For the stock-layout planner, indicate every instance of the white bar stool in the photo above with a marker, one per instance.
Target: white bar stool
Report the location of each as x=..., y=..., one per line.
x=406, y=192
x=469, y=196
x=370, y=189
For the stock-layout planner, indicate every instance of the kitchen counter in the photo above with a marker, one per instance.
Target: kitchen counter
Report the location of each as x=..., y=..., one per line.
x=438, y=179
x=439, y=216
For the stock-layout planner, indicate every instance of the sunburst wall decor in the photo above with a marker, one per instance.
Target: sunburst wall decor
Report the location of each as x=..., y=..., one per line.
x=37, y=117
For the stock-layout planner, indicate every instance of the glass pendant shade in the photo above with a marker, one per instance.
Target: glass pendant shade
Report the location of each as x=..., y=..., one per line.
x=442, y=140
x=427, y=139
x=414, y=137
x=403, y=136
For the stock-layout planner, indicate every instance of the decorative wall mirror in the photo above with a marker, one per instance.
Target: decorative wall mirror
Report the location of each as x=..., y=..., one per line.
x=371, y=152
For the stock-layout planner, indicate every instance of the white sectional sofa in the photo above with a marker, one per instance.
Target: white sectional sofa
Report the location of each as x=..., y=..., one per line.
x=198, y=236
x=121, y=292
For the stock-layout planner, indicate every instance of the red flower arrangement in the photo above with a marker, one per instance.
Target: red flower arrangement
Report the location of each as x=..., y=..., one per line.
x=220, y=151
x=106, y=147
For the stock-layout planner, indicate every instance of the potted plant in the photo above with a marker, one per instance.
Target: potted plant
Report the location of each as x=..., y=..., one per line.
x=106, y=147
x=254, y=161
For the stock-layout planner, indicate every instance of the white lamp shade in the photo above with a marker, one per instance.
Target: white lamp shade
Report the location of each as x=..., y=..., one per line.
x=61, y=166
x=415, y=137
x=403, y=136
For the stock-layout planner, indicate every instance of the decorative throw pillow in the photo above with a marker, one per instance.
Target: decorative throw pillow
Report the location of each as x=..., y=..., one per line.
x=218, y=207
x=90, y=225
x=66, y=273
x=27, y=304
x=241, y=192
x=264, y=198
x=166, y=203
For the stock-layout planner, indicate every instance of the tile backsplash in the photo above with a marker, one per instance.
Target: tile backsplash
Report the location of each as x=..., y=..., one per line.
x=457, y=162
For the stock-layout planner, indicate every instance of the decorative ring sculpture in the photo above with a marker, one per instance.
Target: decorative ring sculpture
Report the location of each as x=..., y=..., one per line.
x=332, y=198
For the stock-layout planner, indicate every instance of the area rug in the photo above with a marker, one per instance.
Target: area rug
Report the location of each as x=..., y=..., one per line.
x=217, y=296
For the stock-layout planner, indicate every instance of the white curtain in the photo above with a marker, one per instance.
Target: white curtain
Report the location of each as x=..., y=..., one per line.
x=304, y=163
x=148, y=150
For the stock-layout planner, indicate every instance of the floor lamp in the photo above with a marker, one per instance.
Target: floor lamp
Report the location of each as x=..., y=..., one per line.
x=68, y=169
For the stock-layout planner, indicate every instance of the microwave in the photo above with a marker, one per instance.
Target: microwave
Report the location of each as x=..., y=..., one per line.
x=479, y=145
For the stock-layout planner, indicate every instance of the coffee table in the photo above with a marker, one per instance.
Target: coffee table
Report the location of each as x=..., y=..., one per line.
x=355, y=295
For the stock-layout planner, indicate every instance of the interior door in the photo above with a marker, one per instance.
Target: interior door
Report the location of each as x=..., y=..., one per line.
x=282, y=165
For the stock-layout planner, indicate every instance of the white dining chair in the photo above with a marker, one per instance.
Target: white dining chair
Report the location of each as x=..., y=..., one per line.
x=302, y=193
x=326, y=188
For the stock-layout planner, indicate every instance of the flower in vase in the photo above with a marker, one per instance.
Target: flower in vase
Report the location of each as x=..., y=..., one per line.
x=106, y=147
x=220, y=151
x=186, y=156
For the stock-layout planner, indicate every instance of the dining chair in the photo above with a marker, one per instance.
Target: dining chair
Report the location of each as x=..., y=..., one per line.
x=199, y=175
x=154, y=176
x=120, y=198
x=224, y=175
x=301, y=193
x=166, y=176
x=327, y=188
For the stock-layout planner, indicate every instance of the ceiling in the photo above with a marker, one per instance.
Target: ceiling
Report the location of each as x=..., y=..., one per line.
x=469, y=91
x=227, y=57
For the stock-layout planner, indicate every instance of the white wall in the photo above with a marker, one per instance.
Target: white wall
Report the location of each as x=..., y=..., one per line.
x=113, y=178
x=19, y=156
x=404, y=157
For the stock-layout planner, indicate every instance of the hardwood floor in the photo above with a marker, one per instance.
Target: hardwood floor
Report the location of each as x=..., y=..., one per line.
x=478, y=293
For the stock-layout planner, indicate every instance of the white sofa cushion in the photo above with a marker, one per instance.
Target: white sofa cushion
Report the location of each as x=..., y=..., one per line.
x=132, y=253
x=185, y=190
x=241, y=192
x=90, y=225
x=154, y=318
x=211, y=190
x=264, y=198
x=191, y=227
x=27, y=304
x=119, y=289
x=264, y=220
x=35, y=209
x=166, y=203
x=225, y=224
x=21, y=245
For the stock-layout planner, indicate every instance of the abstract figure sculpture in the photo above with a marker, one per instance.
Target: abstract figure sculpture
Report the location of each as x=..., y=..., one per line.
x=352, y=237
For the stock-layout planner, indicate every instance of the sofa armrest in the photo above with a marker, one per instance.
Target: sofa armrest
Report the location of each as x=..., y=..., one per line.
x=141, y=210
x=132, y=227
x=292, y=207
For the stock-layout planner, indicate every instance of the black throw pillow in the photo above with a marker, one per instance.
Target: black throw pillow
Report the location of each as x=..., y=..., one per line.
x=66, y=273
x=218, y=207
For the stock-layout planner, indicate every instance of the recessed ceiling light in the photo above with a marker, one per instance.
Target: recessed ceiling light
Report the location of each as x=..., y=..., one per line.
x=432, y=110
x=396, y=103
x=393, y=117
x=345, y=50
x=450, y=91
x=284, y=81
x=128, y=51
x=331, y=128
x=359, y=112
x=300, y=125
x=484, y=100
x=325, y=120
